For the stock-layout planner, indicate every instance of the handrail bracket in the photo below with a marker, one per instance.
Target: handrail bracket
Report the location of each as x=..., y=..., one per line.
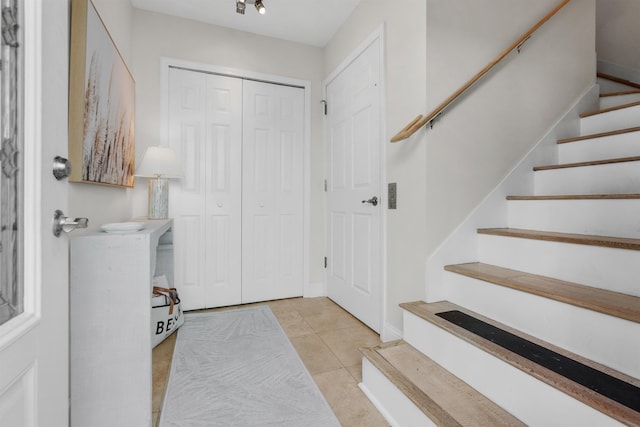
x=432, y=121
x=430, y=118
x=519, y=48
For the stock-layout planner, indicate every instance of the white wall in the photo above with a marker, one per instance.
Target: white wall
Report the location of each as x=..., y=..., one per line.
x=103, y=204
x=433, y=48
x=475, y=144
x=618, y=38
x=442, y=174
x=406, y=69
x=157, y=35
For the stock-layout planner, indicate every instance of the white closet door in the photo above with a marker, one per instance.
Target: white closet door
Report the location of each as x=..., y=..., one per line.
x=272, y=228
x=205, y=129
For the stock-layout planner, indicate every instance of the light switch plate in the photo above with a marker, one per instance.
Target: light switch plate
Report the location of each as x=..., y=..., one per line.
x=392, y=195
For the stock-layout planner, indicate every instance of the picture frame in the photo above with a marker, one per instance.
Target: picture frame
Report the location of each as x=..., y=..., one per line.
x=101, y=104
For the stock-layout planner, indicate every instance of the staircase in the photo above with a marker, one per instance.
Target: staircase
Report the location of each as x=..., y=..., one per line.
x=544, y=328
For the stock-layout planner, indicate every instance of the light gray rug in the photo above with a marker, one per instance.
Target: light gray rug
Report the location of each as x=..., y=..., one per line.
x=238, y=368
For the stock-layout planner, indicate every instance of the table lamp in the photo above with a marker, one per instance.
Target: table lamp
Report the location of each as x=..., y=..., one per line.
x=159, y=164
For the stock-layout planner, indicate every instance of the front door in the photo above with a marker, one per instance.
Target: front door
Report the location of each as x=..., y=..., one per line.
x=353, y=197
x=34, y=343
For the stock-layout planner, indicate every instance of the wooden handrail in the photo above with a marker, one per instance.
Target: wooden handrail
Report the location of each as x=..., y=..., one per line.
x=414, y=126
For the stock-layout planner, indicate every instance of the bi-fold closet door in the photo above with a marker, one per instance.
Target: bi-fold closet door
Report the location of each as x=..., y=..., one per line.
x=238, y=210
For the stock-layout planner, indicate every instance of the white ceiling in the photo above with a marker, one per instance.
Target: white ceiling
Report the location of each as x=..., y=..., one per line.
x=311, y=22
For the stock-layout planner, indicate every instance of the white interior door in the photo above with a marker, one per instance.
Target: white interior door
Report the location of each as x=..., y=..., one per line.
x=205, y=128
x=272, y=202
x=353, y=166
x=34, y=340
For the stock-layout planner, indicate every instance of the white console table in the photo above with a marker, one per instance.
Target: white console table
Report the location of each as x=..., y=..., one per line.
x=110, y=322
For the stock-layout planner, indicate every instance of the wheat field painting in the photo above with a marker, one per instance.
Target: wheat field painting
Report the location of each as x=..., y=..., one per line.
x=108, y=104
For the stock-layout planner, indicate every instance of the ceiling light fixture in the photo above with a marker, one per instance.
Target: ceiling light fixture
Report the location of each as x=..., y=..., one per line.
x=242, y=4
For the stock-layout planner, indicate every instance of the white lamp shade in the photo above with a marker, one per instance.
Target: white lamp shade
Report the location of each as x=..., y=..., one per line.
x=159, y=162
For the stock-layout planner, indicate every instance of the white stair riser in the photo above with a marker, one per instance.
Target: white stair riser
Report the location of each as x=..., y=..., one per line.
x=596, y=336
x=614, y=101
x=613, y=120
x=609, y=147
x=393, y=404
x=606, y=268
x=614, y=178
x=616, y=218
x=530, y=400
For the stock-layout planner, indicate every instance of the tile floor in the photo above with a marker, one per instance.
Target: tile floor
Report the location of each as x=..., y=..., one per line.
x=327, y=339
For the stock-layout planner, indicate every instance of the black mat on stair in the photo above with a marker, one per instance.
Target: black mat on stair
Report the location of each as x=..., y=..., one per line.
x=598, y=381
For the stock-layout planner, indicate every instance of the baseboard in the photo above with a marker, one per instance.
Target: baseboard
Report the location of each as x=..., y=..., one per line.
x=390, y=333
x=627, y=73
x=316, y=289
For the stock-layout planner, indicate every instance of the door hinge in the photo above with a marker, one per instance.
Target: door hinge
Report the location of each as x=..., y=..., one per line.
x=325, y=185
x=325, y=262
x=324, y=103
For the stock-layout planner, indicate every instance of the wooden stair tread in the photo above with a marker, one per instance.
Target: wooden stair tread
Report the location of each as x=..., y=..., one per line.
x=589, y=163
x=607, y=110
x=579, y=239
x=579, y=197
x=599, y=135
x=440, y=395
x=618, y=80
x=616, y=304
x=428, y=311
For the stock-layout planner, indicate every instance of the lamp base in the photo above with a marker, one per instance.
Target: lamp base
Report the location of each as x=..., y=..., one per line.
x=158, y=198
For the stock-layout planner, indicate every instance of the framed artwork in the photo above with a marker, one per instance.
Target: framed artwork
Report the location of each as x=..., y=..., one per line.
x=101, y=103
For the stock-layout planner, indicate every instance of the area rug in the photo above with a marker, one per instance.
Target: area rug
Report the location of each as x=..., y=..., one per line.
x=238, y=368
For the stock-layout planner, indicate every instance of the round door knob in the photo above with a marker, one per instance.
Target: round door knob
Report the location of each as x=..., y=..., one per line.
x=61, y=168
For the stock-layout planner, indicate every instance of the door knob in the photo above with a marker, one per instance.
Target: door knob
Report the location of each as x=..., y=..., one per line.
x=61, y=168
x=373, y=201
x=62, y=223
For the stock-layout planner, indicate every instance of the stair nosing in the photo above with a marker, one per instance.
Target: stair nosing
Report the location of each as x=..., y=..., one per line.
x=608, y=196
x=587, y=163
x=595, y=299
x=598, y=135
x=417, y=396
x=608, y=110
x=572, y=238
x=421, y=398
x=553, y=379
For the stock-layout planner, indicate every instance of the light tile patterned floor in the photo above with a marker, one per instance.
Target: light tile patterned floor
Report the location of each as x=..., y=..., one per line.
x=327, y=339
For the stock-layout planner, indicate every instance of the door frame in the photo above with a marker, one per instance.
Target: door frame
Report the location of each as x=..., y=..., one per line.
x=309, y=289
x=377, y=34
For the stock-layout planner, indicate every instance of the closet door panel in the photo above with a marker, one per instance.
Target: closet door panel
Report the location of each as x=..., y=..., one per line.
x=186, y=137
x=224, y=189
x=205, y=129
x=272, y=243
